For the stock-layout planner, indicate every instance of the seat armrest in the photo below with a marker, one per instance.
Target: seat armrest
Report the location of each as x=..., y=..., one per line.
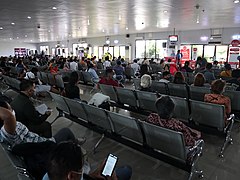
x=196, y=152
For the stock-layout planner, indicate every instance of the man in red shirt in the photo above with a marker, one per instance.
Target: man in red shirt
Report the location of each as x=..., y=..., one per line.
x=108, y=80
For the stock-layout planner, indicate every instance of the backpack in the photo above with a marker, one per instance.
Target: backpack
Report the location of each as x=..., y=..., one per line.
x=100, y=100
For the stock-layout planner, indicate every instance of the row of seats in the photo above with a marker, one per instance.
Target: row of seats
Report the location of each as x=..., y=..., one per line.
x=189, y=92
x=161, y=143
x=198, y=114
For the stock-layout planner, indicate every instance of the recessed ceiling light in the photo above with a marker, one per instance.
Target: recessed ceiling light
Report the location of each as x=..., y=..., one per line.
x=12, y=23
x=103, y=30
x=236, y=1
x=17, y=37
x=31, y=40
x=25, y=35
x=116, y=41
x=29, y=17
x=49, y=31
x=197, y=21
x=126, y=28
x=165, y=11
x=10, y=38
x=1, y=28
x=54, y=8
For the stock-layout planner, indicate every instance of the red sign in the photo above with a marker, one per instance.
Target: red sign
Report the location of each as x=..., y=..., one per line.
x=194, y=49
x=235, y=43
x=186, y=53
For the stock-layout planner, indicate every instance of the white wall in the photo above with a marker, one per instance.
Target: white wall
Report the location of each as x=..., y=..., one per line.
x=7, y=48
x=185, y=37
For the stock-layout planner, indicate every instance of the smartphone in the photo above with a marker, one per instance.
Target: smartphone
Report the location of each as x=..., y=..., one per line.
x=109, y=165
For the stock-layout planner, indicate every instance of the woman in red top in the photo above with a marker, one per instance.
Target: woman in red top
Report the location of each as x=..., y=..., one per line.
x=216, y=97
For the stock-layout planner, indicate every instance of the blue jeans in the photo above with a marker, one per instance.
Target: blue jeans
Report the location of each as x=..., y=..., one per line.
x=124, y=172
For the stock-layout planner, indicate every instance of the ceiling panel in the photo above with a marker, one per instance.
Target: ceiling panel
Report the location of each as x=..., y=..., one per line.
x=92, y=18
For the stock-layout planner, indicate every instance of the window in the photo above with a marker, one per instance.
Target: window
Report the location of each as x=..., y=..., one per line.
x=197, y=50
x=116, y=51
x=44, y=49
x=140, y=49
x=100, y=52
x=95, y=51
x=221, y=53
x=161, y=48
x=122, y=51
x=209, y=51
x=150, y=49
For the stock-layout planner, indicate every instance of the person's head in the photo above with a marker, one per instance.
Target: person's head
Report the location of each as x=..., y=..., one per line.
x=228, y=67
x=146, y=81
x=178, y=78
x=199, y=58
x=109, y=73
x=209, y=66
x=166, y=75
x=178, y=51
x=73, y=78
x=199, y=79
x=119, y=63
x=107, y=58
x=135, y=60
x=218, y=86
x=65, y=162
x=27, y=87
x=162, y=61
x=165, y=107
x=34, y=70
x=186, y=63
x=90, y=65
x=215, y=62
x=169, y=60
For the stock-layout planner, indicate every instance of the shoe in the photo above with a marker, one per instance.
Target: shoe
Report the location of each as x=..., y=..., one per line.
x=81, y=140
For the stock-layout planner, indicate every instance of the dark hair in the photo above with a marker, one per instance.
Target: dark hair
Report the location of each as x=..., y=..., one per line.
x=186, y=63
x=209, y=66
x=178, y=78
x=66, y=157
x=109, y=70
x=199, y=58
x=25, y=85
x=165, y=73
x=218, y=86
x=107, y=58
x=199, y=79
x=34, y=70
x=165, y=107
x=228, y=67
x=3, y=103
x=119, y=63
x=73, y=78
x=135, y=60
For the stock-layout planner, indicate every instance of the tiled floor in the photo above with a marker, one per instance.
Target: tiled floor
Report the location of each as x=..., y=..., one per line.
x=148, y=168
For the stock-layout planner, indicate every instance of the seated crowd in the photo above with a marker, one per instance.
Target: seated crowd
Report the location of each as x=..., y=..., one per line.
x=23, y=124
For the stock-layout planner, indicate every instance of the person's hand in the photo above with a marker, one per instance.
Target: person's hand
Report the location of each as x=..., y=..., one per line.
x=97, y=174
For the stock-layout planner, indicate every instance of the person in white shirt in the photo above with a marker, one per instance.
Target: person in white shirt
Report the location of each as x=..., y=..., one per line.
x=106, y=63
x=73, y=65
x=135, y=66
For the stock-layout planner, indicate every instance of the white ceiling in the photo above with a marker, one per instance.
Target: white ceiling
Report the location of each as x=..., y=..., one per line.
x=92, y=18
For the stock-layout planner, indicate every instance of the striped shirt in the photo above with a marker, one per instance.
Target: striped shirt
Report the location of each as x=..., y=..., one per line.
x=21, y=135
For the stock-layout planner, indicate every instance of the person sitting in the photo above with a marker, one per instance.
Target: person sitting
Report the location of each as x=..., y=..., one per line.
x=66, y=162
x=26, y=112
x=108, y=80
x=119, y=71
x=235, y=79
x=186, y=67
x=179, y=78
x=216, y=97
x=146, y=83
x=135, y=67
x=227, y=72
x=208, y=74
x=13, y=132
x=107, y=63
x=145, y=67
x=165, y=108
x=166, y=77
x=93, y=72
x=199, y=81
x=72, y=90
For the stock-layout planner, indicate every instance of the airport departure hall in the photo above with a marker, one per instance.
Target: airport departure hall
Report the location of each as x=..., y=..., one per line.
x=119, y=90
